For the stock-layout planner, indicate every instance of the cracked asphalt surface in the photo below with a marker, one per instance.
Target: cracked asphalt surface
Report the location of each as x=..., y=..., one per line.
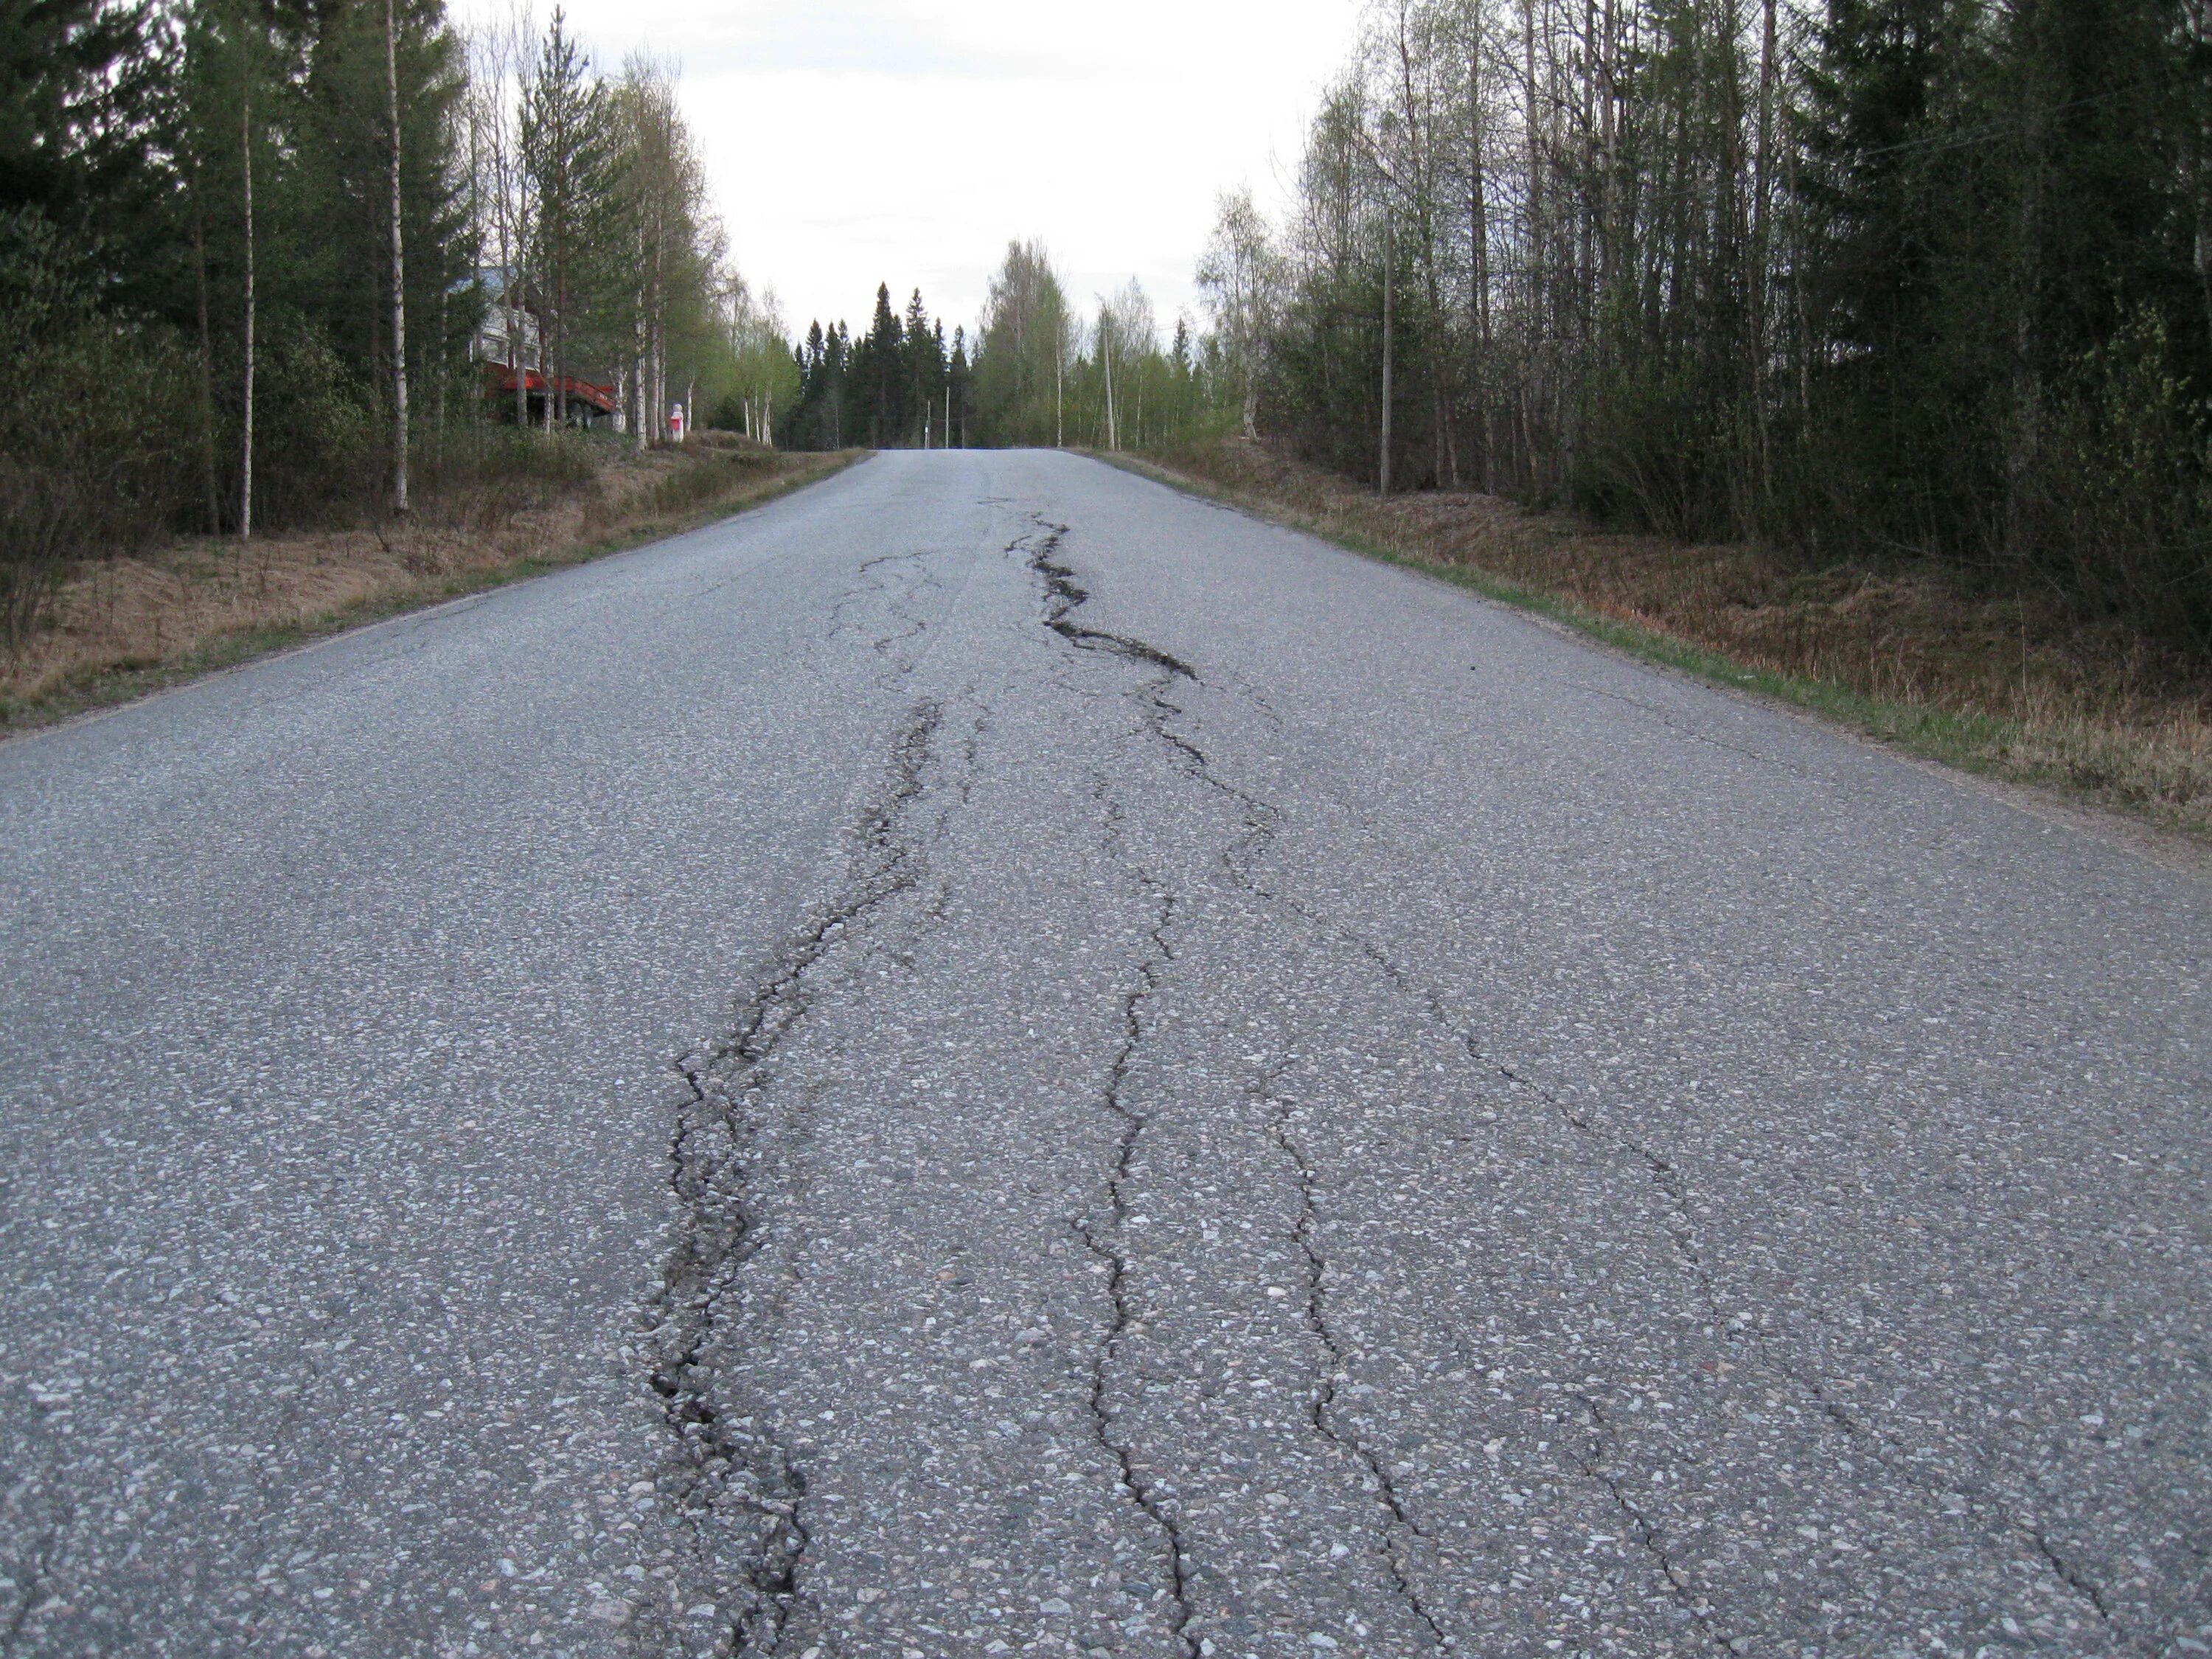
x=990, y=1059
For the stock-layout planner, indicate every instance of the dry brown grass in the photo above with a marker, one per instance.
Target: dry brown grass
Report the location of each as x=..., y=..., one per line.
x=2021, y=687
x=124, y=625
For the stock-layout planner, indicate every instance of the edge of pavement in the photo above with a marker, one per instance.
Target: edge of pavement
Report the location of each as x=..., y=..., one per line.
x=111, y=691
x=1899, y=729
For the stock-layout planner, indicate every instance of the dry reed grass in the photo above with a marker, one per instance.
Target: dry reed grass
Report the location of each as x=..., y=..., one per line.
x=2018, y=686
x=122, y=625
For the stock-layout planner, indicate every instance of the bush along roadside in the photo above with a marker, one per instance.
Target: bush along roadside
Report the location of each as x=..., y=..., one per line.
x=1937, y=662
x=122, y=627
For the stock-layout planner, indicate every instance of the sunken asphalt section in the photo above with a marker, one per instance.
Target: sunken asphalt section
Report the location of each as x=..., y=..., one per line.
x=988, y=1059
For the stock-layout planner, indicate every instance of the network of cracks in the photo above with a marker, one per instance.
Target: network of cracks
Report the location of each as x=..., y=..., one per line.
x=740, y=1493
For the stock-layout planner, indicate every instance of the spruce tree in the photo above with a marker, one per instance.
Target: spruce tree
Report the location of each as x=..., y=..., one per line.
x=79, y=93
x=922, y=370
x=565, y=124
x=1888, y=89
x=885, y=380
x=956, y=435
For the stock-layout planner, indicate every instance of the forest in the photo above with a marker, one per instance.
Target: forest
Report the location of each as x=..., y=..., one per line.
x=1899, y=279
x=1040, y=373
x=260, y=260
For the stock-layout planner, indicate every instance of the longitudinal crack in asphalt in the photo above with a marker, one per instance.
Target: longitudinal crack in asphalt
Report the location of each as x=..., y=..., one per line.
x=1262, y=824
x=730, y=1467
x=2081, y=1584
x=30, y=1586
x=1066, y=594
x=1682, y=1228
x=1646, y=1536
x=1103, y=1242
x=1667, y=719
x=1321, y=1410
x=1261, y=821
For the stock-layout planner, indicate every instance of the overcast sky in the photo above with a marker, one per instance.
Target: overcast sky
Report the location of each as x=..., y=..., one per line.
x=854, y=142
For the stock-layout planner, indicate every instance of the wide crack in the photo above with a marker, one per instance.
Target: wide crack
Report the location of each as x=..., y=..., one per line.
x=1103, y=1241
x=730, y=1467
x=1065, y=595
x=1262, y=824
x=1104, y=1244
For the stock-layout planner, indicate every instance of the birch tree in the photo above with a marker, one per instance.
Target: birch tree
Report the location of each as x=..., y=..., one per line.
x=1237, y=279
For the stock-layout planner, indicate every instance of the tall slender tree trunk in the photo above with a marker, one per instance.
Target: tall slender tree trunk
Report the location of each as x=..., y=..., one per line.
x=1442, y=392
x=2197, y=26
x=1478, y=256
x=246, y=433
x=1762, y=258
x=1533, y=376
x=2024, y=437
x=1390, y=255
x=545, y=372
x=644, y=435
x=207, y=478
x=399, y=502
x=438, y=356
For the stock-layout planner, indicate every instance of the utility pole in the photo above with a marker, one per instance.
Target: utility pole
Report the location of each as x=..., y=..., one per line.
x=1106, y=362
x=398, y=270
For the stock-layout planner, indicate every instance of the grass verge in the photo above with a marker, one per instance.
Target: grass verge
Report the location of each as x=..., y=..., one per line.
x=1934, y=662
x=125, y=628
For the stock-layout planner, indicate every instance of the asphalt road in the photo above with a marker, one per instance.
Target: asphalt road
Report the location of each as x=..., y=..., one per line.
x=990, y=1059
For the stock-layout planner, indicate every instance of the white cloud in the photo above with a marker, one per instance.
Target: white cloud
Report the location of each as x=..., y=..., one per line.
x=906, y=140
